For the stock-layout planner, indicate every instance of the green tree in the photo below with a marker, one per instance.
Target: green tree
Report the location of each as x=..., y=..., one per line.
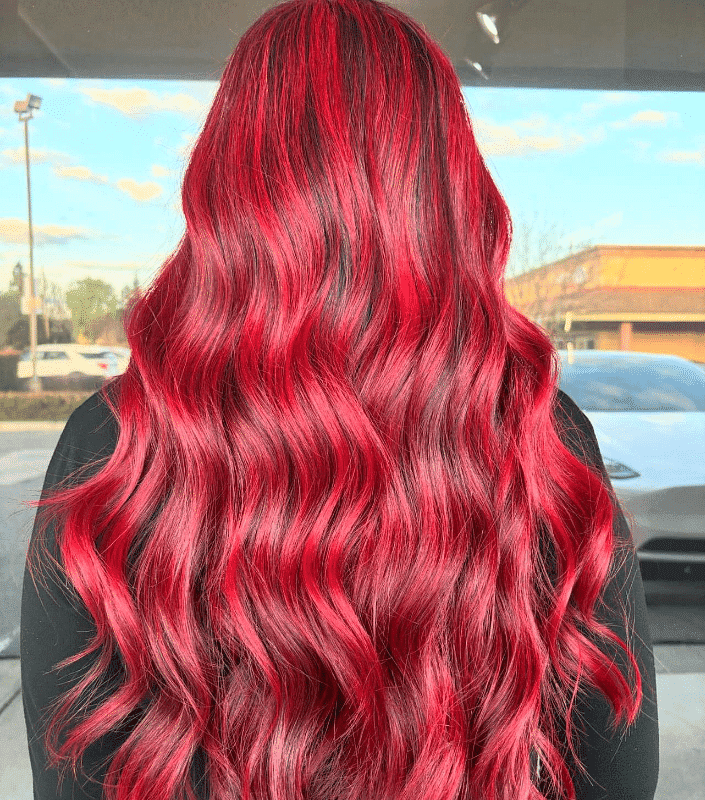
x=88, y=299
x=16, y=283
x=9, y=313
x=127, y=292
x=18, y=334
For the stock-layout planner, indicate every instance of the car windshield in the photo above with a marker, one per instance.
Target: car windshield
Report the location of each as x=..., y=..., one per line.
x=605, y=385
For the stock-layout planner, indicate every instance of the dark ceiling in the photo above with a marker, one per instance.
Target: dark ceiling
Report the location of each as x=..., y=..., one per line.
x=581, y=44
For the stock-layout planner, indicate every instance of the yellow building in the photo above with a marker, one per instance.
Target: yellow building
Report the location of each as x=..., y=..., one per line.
x=612, y=297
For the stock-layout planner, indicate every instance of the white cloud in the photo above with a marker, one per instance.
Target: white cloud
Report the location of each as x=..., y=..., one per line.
x=14, y=231
x=139, y=102
x=531, y=136
x=158, y=171
x=79, y=173
x=592, y=108
x=683, y=156
x=619, y=98
x=37, y=155
x=504, y=140
x=536, y=123
x=651, y=117
x=646, y=117
x=141, y=192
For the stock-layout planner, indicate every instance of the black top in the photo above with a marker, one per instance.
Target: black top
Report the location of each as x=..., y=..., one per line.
x=52, y=629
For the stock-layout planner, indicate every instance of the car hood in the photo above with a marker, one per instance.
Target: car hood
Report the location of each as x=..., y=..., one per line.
x=663, y=446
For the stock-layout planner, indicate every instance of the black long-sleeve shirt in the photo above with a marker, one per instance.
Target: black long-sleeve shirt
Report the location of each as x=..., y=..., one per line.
x=53, y=628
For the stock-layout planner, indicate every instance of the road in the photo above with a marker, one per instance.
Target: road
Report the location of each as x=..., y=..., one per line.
x=24, y=457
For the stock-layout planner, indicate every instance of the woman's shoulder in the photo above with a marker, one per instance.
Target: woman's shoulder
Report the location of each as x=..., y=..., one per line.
x=92, y=428
x=92, y=424
x=566, y=407
x=575, y=429
x=90, y=434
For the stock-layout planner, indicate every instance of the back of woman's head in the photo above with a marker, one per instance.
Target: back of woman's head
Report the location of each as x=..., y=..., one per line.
x=336, y=196
x=322, y=546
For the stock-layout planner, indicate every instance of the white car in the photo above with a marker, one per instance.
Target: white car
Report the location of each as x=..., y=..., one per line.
x=61, y=366
x=122, y=353
x=648, y=412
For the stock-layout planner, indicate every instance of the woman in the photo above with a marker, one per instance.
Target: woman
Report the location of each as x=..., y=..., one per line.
x=335, y=534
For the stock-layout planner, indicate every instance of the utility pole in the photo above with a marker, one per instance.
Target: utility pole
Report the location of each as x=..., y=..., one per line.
x=24, y=109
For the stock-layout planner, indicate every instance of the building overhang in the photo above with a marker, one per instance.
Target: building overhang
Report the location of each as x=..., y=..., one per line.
x=601, y=44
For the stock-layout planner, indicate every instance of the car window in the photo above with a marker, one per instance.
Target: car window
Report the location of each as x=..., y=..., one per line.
x=56, y=355
x=625, y=386
x=107, y=355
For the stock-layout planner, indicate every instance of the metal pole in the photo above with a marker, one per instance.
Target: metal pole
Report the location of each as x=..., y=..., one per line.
x=34, y=382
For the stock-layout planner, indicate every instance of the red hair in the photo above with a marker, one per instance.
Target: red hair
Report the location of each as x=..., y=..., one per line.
x=322, y=545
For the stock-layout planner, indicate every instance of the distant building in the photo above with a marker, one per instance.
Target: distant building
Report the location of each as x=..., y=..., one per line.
x=612, y=297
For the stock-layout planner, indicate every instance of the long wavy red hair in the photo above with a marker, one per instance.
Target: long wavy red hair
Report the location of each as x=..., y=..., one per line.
x=321, y=548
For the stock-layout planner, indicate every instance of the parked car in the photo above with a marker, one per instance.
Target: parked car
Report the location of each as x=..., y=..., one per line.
x=648, y=412
x=122, y=353
x=70, y=366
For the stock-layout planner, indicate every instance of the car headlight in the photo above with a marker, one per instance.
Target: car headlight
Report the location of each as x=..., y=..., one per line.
x=617, y=470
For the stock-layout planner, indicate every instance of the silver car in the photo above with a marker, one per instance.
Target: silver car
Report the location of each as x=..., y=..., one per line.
x=648, y=412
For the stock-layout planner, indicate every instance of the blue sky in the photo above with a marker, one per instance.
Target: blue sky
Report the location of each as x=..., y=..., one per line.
x=108, y=158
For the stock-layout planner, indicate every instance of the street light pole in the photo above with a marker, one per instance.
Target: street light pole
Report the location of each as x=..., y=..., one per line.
x=34, y=384
x=24, y=108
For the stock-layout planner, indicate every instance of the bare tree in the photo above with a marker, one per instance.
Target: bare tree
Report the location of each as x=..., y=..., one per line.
x=546, y=272
x=537, y=241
